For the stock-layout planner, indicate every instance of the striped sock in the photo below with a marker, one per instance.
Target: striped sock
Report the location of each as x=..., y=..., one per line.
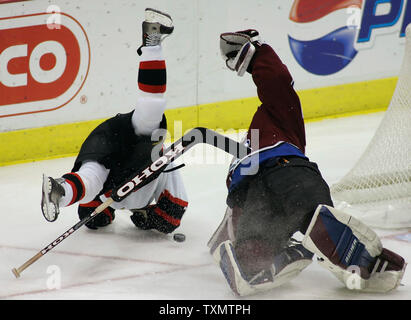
x=152, y=76
x=77, y=185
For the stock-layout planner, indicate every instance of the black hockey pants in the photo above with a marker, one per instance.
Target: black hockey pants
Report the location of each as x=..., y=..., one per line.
x=280, y=200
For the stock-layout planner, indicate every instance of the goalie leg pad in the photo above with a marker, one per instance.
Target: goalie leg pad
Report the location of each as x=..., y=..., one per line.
x=226, y=230
x=222, y=233
x=226, y=258
x=285, y=267
x=352, y=251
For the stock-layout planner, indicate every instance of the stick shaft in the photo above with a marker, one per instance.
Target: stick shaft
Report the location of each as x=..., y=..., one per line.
x=193, y=137
x=50, y=246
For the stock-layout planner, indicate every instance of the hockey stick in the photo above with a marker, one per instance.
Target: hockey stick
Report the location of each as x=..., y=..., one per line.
x=100, y=208
x=150, y=173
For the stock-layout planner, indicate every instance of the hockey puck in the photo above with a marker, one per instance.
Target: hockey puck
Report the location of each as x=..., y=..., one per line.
x=179, y=237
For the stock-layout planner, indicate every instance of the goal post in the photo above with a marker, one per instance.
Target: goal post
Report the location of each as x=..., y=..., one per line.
x=377, y=189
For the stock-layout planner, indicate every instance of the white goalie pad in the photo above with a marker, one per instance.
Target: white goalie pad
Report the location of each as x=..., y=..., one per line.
x=225, y=231
x=285, y=267
x=352, y=252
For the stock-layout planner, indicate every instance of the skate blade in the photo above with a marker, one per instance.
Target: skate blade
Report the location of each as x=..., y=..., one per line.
x=48, y=208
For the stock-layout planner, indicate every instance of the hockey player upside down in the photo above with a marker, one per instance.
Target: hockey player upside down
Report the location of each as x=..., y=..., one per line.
x=120, y=147
x=267, y=203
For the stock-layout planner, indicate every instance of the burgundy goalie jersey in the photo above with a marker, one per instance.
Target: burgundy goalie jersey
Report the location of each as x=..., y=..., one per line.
x=278, y=121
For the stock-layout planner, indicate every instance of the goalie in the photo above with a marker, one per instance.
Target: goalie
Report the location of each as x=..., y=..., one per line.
x=121, y=146
x=281, y=192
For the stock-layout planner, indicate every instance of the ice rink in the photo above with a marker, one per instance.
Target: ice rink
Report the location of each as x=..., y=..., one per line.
x=122, y=262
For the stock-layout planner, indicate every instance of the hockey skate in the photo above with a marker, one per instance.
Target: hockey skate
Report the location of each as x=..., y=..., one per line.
x=156, y=27
x=52, y=192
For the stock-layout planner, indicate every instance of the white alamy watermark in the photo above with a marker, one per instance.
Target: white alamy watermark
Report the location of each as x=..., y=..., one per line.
x=212, y=149
x=54, y=20
x=53, y=281
x=354, y=280
x=354, y=17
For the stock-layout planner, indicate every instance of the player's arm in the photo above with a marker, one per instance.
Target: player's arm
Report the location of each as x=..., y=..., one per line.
x=271, y=77
x=171, y=203
x=243, y=51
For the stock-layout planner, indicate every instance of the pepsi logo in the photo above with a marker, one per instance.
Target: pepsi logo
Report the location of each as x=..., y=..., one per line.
x=326, y=36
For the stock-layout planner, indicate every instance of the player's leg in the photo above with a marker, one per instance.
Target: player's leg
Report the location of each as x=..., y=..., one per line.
x=284, y=266
x=259, y=257
x=80, y=186
x=157, y=25
x=226, y=229
x=280, y=201
x=150, y=104
x=152, y=77
x=353, y=252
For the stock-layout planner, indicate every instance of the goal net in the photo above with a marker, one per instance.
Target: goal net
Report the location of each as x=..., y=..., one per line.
x=377, y=189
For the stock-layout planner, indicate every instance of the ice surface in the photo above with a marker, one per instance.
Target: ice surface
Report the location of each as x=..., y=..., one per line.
x=121, y=262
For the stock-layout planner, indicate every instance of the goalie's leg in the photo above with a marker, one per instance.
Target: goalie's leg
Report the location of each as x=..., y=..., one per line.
x=353, y=252
x=284, y=267
x=279, y=202
x=226, y=229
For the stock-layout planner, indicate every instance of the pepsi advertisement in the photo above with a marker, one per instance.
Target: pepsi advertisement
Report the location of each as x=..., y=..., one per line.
x=325, y=37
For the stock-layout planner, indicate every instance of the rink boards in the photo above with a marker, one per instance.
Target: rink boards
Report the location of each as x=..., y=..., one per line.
x=66, y=67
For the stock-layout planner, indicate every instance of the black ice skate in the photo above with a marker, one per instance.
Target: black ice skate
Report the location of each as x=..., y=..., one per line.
x=156, y=26
x=52, y=192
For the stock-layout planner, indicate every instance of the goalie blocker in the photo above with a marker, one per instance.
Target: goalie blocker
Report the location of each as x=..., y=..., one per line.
x=352, y=252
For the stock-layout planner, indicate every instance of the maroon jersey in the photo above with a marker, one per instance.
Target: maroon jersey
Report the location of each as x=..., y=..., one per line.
x=279, y=118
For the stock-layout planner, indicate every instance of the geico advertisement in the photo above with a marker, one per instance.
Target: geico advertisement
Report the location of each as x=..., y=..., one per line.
x=44, y=61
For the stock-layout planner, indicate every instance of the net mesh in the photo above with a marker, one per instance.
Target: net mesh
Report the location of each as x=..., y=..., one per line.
x=378, y=188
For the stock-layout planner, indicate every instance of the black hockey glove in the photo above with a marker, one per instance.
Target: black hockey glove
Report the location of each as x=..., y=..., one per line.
x=140, y=219
x=103, y=219
x=147, y=219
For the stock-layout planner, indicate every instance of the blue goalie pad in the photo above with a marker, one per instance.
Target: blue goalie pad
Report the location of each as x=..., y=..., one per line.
x=337, y=241
x=352, y=251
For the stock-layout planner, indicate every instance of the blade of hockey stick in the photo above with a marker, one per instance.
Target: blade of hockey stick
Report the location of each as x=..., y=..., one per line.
x=151, y=172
